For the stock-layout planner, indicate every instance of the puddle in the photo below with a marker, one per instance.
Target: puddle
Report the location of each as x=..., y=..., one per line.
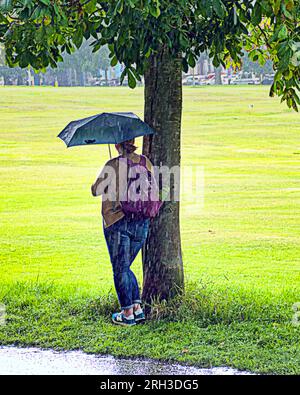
x=27, y=361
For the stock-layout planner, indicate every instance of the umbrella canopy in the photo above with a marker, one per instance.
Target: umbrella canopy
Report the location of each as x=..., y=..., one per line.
x=105, y=128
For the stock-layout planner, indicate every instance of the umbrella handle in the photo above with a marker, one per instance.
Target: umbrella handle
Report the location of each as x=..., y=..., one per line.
x=109, y=150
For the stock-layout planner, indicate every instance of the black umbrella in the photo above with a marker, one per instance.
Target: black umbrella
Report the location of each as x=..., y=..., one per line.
x=105, y=128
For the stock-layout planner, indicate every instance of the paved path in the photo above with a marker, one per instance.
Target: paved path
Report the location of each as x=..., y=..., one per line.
x=35, y=361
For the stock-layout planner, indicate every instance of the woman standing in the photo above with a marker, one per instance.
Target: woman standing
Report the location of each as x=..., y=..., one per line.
x=124, y=234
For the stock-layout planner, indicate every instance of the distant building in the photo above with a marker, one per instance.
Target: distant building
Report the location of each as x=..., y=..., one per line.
x=203, y=67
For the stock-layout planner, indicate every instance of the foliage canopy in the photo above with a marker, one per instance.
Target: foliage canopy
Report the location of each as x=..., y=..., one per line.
x=37, y=32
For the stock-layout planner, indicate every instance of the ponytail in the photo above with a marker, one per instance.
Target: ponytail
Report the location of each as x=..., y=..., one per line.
x=128, y=147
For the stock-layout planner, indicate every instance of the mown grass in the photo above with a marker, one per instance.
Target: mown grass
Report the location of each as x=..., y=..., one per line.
x=241, y=251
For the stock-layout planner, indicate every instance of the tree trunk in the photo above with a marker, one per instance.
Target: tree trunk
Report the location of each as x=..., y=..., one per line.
x=37, y=79
x=75, y=78
x=6, y=80
x=20, y=80
x=29, y=77
x=162, y=260
x=69, y=77
x=218, y=75
x=81, y=78
x=106, y=76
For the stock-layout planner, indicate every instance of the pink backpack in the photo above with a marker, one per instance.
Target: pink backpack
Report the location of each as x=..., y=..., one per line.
x=141, y=198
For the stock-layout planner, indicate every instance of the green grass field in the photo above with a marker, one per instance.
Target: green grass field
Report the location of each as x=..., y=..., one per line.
x=241, y=251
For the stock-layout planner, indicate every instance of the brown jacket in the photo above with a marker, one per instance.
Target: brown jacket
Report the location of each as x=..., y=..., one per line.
x=108, y=186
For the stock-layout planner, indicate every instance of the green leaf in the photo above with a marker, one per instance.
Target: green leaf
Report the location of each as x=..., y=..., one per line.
x=119, y=7
x=277, y=76
x=91, y=6
x=282, y=49
x=154, y=10
x=219, y=8
x=114, y=61
x=28, y=3
x=185, y=65
x=3, y=18
x=283, y=32
x=294, y=105
x=285, y=60
x=183, y=40
x=148, y=53
x=266, y=6
x=136, y=74
x=46, y=2
x=191, y=60
x=276, y=7
x=87, y=33
x=131, y=3
x=275, y=35
x=253, y=55
x=78, y=38
x=56, y=9
x=288, y=74
x=295, y=59
x=261, y=59
x=24, y=61
x=287, y=14
x=256, y=15
x=131, y=79
x=96, y=47
x=297, y=98
x=123, y=75
x=24, y=14
x=272, y=90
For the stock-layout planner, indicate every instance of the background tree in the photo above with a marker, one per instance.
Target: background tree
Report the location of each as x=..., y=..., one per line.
x=76, y=66
x=11, y=75
x=254, y=67
x=157, y=39
x=74, y=70
x=104, y=61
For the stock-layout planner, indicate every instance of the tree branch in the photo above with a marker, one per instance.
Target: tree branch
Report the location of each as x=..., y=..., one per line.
x=265, y=36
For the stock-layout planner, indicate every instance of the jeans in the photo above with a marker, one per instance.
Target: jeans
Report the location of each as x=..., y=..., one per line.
x=124, y=240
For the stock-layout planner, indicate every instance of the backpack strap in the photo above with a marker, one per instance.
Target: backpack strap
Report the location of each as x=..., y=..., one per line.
x=143, y=161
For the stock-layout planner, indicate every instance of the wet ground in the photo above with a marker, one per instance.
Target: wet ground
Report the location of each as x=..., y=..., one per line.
x=35, y=361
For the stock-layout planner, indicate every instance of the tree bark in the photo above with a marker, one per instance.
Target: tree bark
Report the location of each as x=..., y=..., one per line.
x=162, y=259
x=218, y=75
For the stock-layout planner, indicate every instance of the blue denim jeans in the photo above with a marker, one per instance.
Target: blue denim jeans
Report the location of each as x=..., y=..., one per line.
x=124, y=240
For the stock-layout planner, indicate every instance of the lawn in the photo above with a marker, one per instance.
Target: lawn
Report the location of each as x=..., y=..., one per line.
x=241, y=250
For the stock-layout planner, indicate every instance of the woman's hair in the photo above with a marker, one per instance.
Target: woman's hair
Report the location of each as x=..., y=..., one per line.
x=128, y=146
